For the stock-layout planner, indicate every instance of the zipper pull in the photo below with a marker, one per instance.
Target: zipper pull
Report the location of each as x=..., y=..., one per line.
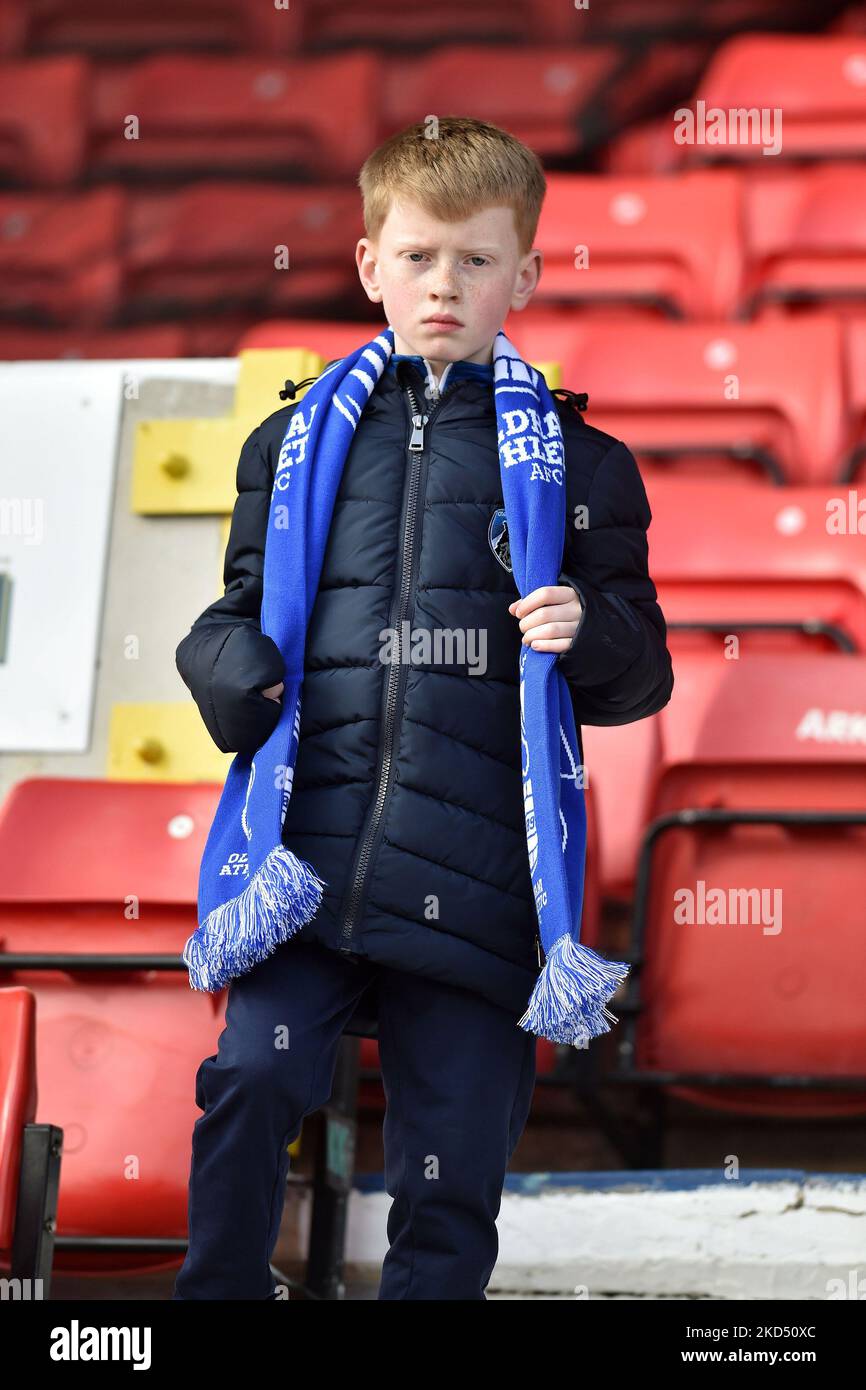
x=417, y=440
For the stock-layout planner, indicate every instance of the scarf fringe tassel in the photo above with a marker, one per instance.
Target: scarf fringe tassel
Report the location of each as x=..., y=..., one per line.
x=568, y=1002
x=282, y=895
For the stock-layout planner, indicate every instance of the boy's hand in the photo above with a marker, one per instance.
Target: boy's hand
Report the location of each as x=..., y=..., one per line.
x=274, y=692
x=548, y=617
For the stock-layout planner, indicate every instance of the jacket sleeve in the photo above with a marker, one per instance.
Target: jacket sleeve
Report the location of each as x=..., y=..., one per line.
x=618, y=667
x=225, y=659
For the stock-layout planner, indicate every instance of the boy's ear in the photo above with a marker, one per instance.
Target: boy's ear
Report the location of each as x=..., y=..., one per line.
x=523, y=295
x=366, y=253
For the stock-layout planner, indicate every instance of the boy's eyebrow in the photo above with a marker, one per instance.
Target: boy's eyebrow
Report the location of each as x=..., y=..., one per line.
x=462, y=251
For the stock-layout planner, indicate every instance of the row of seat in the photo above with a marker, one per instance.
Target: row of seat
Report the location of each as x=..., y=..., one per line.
x=694, y=245
x=243, y=24
x=95, y=256
x=778, y=401
x=705, y=244
x=781, y=402
x=175, y=114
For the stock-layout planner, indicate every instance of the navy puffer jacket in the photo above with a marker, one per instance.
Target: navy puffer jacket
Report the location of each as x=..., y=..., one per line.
x=407, y=796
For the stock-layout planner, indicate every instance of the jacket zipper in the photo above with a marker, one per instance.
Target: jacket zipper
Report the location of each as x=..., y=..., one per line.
x=396, y=677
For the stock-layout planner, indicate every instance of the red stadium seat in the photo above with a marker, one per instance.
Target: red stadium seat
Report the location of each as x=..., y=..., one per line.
x=806, y=240
x=818, y=81
x=758, y=810
x=109, y=870
x=43, y=108
x=98, y=27
x=214, y=243
x=758, y=564
x=60, y=256
x=648, y=148
x=250, y=115
x=753, y=400
x=620, y=766
x=670, y=245
x=538, y=93
x=726, y=561
x=30, y=1155
x=329, y=340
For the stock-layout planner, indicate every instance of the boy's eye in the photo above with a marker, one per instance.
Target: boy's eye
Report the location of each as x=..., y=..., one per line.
x=410, y=254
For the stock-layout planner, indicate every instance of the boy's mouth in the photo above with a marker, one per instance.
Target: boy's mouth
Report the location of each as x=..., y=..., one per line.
x=443, y=321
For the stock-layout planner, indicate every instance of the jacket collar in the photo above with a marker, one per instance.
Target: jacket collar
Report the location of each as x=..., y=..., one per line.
x=454, y=371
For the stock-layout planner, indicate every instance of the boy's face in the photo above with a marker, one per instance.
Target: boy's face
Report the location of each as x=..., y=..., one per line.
x=471, y=272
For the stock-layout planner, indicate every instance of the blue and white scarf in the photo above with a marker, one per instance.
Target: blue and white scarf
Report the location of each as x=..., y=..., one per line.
x=254, y=893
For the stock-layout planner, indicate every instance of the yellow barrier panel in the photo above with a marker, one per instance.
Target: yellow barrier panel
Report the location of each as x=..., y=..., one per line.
x=188, y=467
x=163, y=742
x=552, y=373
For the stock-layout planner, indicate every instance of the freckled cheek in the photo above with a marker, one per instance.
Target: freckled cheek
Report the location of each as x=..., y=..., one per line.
x=402, y=295
x=490, y=304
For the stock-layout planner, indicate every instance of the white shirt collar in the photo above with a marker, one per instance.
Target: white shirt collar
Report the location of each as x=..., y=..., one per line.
x=436, y=387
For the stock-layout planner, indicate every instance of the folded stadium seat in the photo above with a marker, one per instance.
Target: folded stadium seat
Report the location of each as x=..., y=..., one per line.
x=647, y=148
x=806, y=241
x=853, y=464
x=759, y=401
x=95, y=872
x=43, y=112
x=749, y=970
x=670, y=247
x=818, y=81
x=726, y=561
x=50, y=344
x=759, y=565
x=29, y=1153
x=214, y=243
x=216, y=335
x=329, y=340
x=60, y=255
x=620, y=765
x=541, y=94
x=99, y=28
x=251, y=115
x=815, y=80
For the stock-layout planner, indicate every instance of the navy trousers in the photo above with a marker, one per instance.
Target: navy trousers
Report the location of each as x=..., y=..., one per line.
x=458, y=1075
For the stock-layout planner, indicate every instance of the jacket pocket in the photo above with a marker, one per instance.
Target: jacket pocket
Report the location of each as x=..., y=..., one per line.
x=241, y=718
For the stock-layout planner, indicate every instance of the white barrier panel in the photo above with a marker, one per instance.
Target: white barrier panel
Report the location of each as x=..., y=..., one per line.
x=58, y=453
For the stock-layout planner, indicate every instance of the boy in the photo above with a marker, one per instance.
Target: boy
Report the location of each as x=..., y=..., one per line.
x=406, y=793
